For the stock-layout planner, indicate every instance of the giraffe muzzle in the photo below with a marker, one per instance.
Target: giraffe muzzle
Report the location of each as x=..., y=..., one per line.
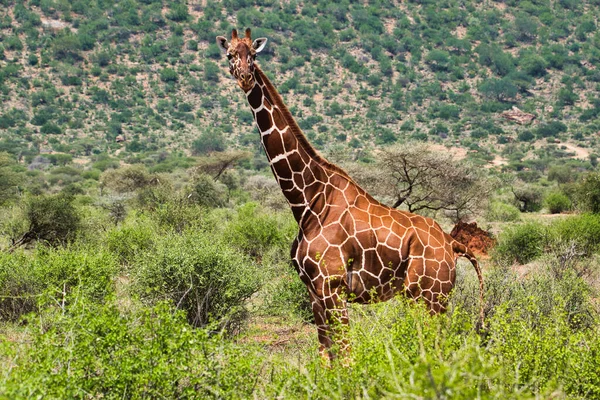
x=246, y=81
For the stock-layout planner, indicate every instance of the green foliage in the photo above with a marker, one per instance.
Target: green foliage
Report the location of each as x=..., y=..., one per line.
x=499, y=211
x=208, y=192
x=557, y=202
x=287, y=295
x=551, y=129
x=96, y=350
x=581, y=231
x=10, y=179
x=131, y=239
x=51, y=219
x=53, y=276
x=178, y=12
x=51, y=128
x=528, y=198
x=399, y=351
x=169, y=75
x=521, y=243
x=67, y=48
x=587, y=193
x=255, y=231
x=199, y=274
x=127, y=179
x=207, y=142
x=498, y=89
x=533, y=65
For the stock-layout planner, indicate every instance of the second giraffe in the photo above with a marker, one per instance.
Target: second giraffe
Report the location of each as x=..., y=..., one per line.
x=349, y=247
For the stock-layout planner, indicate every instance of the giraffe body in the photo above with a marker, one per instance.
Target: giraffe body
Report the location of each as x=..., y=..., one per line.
x=350, y=247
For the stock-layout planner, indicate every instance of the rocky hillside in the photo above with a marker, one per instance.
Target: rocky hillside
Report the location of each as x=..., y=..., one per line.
x=144, y=80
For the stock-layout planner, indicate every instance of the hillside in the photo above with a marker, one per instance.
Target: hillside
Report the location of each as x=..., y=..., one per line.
x=76, y=75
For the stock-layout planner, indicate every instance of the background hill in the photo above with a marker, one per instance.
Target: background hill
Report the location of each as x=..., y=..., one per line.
x=76, y=75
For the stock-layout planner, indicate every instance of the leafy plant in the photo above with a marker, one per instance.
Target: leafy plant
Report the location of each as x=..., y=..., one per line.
x=557, y=202
x=521, y=243
x=206, y=278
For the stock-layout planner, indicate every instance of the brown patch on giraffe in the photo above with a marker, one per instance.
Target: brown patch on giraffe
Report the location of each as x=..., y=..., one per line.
x=476, y=239
x=283, y=169
x=263, y=120
x=309, y=176
x=255, y=97
x=279, y=120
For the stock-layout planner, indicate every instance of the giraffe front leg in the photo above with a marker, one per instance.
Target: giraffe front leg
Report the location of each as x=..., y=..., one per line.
x=331, y=319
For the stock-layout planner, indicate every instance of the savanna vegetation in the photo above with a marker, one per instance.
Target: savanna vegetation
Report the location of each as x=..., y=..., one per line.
x=144, y=244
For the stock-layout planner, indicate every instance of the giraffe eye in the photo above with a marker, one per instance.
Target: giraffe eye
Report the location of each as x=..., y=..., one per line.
x=229, y=56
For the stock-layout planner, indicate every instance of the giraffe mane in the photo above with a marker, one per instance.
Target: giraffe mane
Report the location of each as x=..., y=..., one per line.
x=293, y=126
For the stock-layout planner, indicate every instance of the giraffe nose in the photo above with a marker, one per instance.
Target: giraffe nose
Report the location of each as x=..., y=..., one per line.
x=246, y=77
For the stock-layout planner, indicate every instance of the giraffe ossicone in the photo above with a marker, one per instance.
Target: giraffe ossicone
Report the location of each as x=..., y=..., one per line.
x=349, y=247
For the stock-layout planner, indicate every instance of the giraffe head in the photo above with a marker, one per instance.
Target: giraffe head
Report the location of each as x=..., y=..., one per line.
x=241, y=53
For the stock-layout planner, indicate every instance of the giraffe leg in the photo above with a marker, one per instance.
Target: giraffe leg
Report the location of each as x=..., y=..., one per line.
x=331, y=319
x=421, y=286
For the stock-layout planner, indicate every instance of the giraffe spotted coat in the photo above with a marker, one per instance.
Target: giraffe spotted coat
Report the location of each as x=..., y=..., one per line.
x=350, y=247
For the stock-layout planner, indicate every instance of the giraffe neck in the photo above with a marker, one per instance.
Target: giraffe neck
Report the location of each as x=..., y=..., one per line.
x=300, y=171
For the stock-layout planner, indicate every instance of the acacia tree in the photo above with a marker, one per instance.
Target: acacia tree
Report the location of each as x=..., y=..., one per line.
x=414, y=176
x=51, y=219
x=217, y=163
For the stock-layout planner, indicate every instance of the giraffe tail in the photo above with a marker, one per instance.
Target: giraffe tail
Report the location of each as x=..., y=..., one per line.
x=463, y=251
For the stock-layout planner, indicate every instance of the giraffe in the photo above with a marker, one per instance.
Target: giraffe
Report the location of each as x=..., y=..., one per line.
x=349, y=247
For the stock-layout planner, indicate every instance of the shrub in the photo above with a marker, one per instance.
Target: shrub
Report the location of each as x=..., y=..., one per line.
x=256, y=232
x=521, y=243
x=132, y=239
x=581, y=230
x=551, y=129
x=51, y=129
x=528, y=198
x=587, y=193
x=208, y=142
x=208, y=193
x=528, y=339
x=199, y=274
x=97, y=351
x=51, y=276
x=51, y=219
x=557, y=202
x=169, y=75
x=127, y=179
x=503, y=212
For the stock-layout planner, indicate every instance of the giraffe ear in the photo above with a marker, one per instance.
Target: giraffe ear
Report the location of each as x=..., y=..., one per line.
x=259, y=44
x=222, y=43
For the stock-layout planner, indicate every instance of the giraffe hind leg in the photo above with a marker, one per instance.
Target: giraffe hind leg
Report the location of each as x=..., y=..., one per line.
x=421, y=286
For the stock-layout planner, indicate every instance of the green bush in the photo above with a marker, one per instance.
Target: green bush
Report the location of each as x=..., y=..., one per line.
x=51, y=219
x=557, y=202
x=257, y=232
x=587, y=193
x=50, y=276
x=97, y=351
x=209, y=193
x=502, y=212
x=51, y=129
x=132, y=239
x=169, y=75
x=583, y=231
x=521, y=243
x=398, y=351
x=287, y=295
x=201, y=275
